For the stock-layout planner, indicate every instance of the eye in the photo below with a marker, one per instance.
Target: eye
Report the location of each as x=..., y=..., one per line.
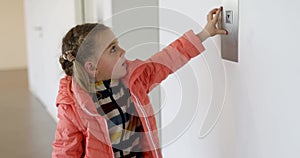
x=113, y=49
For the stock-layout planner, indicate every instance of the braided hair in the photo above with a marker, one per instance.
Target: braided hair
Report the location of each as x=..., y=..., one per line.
x=74, y=39
x=77, y=46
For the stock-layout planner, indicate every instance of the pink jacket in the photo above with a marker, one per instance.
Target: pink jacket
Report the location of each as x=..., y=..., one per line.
x=82, y=132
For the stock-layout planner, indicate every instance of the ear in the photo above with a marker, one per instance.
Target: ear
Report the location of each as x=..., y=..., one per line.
x=90, y=68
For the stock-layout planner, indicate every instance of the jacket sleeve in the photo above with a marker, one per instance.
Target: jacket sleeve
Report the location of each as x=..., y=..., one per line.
x=68, y=138
x=160, y=65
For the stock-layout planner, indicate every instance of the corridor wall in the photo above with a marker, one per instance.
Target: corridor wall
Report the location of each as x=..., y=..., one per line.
x=46, y=24
x=260, y=114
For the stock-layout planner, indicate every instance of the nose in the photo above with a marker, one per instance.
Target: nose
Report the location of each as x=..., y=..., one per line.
x=122, y=52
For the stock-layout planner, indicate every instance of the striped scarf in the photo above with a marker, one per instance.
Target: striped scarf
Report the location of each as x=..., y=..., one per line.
x=113, y=101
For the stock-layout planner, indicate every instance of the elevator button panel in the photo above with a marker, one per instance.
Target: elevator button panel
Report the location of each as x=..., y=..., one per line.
x=230, y=22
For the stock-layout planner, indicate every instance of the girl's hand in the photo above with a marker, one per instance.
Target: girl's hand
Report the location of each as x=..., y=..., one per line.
x=211, y=28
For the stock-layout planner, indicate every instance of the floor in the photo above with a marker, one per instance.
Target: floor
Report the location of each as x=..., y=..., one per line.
x=26, y=129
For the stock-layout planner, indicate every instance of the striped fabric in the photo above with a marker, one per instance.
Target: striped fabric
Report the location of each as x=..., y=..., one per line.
x=113, y=101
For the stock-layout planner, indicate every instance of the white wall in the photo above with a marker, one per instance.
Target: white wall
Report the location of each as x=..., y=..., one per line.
x=12, y=39
x=260, y=115
x=188, y=94
x=266, y=108
x=46, y=24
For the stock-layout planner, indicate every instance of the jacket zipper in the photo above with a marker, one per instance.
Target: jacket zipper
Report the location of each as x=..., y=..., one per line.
x=147, y=123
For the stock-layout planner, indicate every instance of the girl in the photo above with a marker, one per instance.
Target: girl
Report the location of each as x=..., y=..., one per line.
x=103, y=107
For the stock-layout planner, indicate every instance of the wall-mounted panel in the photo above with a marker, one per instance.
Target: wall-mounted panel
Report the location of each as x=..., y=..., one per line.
x=230, y=22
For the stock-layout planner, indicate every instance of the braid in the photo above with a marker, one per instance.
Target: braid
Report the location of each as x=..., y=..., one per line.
x=74, y=39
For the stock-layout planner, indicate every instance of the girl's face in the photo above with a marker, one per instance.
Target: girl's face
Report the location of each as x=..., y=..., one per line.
x=111, y=61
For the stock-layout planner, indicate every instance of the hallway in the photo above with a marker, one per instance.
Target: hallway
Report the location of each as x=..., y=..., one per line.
x=27, y=130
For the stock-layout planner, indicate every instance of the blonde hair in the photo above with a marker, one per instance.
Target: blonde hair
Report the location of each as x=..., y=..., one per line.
x=78, y=45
